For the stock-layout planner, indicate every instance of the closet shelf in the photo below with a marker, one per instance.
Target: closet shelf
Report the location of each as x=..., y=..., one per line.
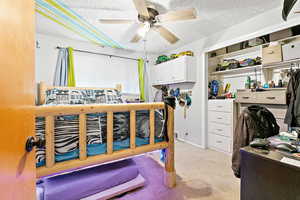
x=281, y=64
x=239, y=52
x=238, y=70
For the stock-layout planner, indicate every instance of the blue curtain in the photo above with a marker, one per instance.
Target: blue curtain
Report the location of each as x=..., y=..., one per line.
x=61, y=70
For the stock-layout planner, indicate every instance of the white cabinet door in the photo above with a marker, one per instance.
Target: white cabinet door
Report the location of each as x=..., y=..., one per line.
x=177, y=71
x=157, y=74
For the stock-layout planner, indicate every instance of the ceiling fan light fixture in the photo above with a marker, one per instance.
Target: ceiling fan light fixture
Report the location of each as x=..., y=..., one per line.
x=142, y=32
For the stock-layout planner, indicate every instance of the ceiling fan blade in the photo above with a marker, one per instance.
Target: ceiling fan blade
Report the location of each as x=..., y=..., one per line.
x=178, y=15
x=137, y=37
x=298, y=11
x=116, y=21
x=141, y=7
x=165, y=33
x=287, y=7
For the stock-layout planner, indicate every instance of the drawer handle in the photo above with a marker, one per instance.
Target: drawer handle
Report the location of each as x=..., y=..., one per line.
x=271, y=98
x=245, y=97
x=219, y=118
x=219, y=106
x=219, y=141
x=219, y=129
x=271, y=52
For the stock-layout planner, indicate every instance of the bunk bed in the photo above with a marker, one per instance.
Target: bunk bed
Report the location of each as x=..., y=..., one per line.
x=86, y=148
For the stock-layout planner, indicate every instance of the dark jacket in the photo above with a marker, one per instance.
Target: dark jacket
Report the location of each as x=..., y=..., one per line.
x=254, y=122
x=292, y=116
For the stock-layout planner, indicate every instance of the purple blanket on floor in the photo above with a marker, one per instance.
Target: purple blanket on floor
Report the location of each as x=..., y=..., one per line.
x=154, y=189
x=83, y=183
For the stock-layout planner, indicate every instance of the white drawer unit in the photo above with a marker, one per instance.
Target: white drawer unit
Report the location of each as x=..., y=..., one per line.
x=220, y=117
x=179, y=70
x=221, y=124
x=220, y=143
x=220, y=129
x=220, y=105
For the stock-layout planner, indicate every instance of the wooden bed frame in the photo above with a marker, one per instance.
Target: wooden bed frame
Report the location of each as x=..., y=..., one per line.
x=49, y=112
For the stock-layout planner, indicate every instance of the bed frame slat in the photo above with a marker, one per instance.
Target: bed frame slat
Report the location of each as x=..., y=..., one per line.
x=56, y=110
x=50, y=148
x=110, y=131
x=152, y=126
x=132, y=128
x=82, y=137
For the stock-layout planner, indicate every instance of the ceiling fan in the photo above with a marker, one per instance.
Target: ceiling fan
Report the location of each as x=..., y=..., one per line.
x=150, y=19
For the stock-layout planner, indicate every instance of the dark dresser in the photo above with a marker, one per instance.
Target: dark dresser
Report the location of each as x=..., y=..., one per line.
x=265, y=177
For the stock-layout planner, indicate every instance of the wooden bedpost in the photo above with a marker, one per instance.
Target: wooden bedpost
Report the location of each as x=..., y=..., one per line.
x=42, y=93
x=170, y=175
x=119, y=87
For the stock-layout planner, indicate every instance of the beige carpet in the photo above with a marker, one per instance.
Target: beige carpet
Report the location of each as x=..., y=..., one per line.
x=204, y=174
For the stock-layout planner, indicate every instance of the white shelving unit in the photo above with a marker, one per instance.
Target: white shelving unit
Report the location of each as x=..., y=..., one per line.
x=179, y=70
x=220, y=134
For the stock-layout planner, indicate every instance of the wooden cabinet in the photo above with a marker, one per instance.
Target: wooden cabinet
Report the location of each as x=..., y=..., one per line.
x=179, y=70
x=272, y=96
x=221, y=123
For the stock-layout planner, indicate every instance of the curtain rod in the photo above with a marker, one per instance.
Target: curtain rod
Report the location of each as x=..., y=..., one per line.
x=102, y=54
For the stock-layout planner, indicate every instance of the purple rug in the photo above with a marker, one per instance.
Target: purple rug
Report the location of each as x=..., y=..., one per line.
x=154, y=188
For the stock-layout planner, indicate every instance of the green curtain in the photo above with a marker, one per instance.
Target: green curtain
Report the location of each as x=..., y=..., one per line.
x=71, y=73
x=141, y=79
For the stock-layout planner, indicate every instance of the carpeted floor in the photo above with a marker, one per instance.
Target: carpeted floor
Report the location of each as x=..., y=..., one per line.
x=201, y=174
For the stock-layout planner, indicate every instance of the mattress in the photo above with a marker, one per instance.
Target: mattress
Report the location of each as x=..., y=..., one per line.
x=87, y=182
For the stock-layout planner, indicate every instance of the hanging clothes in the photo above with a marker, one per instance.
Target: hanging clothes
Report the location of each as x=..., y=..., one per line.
x=254, y=122
x=141, y=79
x=71, y=72
x=292, y=116
x=61, y=70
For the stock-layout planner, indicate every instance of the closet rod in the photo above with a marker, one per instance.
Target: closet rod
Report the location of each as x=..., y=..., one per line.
x=102, y=54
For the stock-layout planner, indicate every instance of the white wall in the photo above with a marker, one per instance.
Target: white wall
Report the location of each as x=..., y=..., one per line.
x=90, y=69
x=196, y=122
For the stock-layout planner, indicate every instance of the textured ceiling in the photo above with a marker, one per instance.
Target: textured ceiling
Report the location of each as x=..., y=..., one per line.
x=213, y=16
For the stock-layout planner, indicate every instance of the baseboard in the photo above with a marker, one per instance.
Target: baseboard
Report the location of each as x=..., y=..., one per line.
x=192, y=143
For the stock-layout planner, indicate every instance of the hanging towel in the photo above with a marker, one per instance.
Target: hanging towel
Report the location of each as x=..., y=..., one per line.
x=61, y=70
x=141, y=79
x=71, y=73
